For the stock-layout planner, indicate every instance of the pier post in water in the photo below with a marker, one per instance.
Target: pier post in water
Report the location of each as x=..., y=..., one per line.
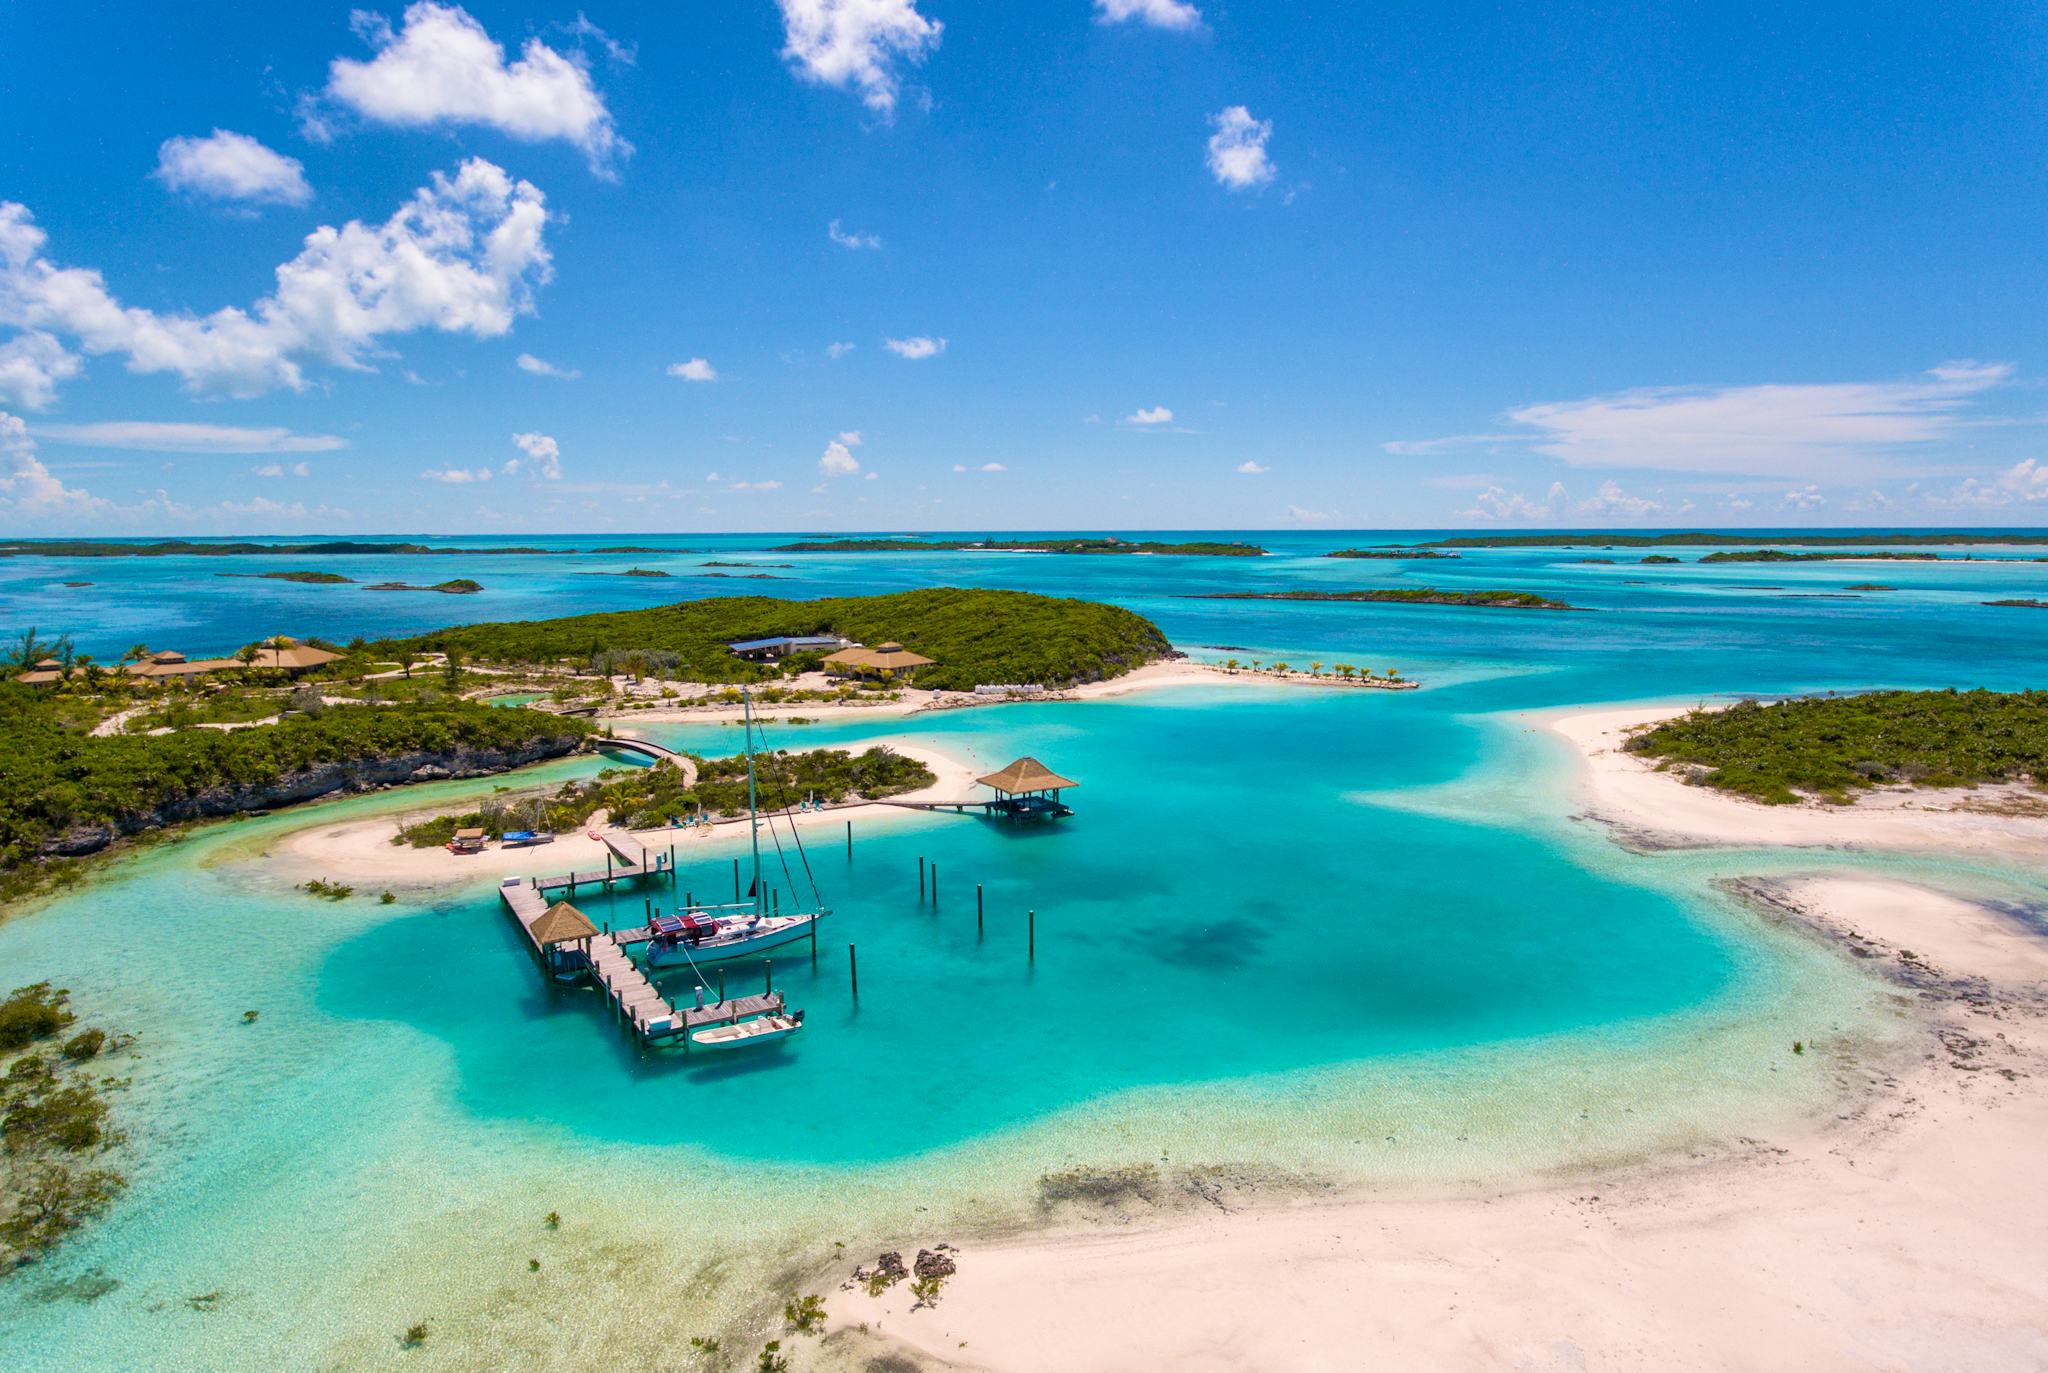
x=767, y=976
x=721, y=986
x=853, y=970
x=977, y=908
x=849, y=841
x=1031, y=936
x=920, y=877
x=735, y=880
x=935, y=886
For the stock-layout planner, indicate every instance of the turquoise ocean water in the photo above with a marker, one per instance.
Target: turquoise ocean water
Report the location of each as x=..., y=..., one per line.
x=1321, y=938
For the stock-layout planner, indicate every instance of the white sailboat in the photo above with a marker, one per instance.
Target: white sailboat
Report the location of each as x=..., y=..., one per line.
x=720, y=933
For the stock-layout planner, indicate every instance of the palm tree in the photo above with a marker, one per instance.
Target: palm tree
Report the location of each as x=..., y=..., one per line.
x=136, y=653
x=1393, y=674
x=88, y=669
x=1230, y=664
x=247, y=655
x=406, y=658
x=1280, y=667
x=1315, y=669
x=30, y=650
x=1346, y=671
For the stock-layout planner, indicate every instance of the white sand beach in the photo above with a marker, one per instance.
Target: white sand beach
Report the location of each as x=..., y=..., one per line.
x=1653, y=808
x=360, y=852
x=1905, y=1233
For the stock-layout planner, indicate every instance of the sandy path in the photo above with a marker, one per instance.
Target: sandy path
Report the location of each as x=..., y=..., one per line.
x=1910, y=1234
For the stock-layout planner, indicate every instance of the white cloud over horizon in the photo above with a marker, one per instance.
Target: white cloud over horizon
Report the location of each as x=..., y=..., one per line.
x=1237, y=149
x=541, y=367
x=838, y=459
x=440, y=67
x=916, y=348
x=855, y=241
x=696, y=369
x=1251, y=468
x=1158, y=14
x=462, y=256
x=543, y=454
x=231, y=166
x=155, y=436
x=857, y=45
x=457, y=476
x=1157, y=414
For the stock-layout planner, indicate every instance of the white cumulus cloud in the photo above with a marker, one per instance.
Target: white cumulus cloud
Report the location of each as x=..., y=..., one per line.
x=541, y=367
x=31, y=366
x=457, y=476
x=839, y=350
x=1160, y=14
x=278, y=469
x=1610, y=499
x=1498, y=503
x=857, y=44
x=1237, y=149
x=542, y=453
x=440, y=67
x=696, y=369
x=27, y=487
x=1251, y=468
x=171, y=436
x=916, y=347
x=1157, y=414
x=838, y=460
x=231, y=166
x=462, y=256
x=851, y=240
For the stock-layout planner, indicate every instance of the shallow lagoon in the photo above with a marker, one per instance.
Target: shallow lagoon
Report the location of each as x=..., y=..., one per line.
x=1320, y=936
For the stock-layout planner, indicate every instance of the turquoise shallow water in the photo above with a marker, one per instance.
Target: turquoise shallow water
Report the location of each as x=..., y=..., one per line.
x=1343, y=935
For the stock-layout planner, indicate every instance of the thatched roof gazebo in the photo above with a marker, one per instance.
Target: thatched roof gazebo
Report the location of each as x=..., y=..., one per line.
x=1028, y=790
x=890, y=660
x=561, y=923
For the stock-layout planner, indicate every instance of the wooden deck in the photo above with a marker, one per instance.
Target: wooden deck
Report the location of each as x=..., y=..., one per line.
x=634, y=861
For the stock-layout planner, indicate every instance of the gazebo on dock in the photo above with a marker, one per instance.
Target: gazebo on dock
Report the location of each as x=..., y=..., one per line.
x=558, y=925
x=1028, y=790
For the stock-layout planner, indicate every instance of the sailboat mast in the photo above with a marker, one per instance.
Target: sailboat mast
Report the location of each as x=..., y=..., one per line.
x=753, y=810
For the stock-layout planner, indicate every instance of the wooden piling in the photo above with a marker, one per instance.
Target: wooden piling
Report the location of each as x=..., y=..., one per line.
x=767, y=976
x=849, y=841
x=920, y=877
x=735, y=880
x=935, y=886
x=721, y=986
x=1031, y=937
x=853, y=970
x=977, y=908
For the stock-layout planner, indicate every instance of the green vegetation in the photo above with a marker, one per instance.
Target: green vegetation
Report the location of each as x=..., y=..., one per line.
x=1210, y=548
x=310, y=578
x=772, y=1359
x=1779, y=555
x=1833, y=746
x=643, y=572
x=973, y=636
x=1404, y=554
x=2025, y=602
x=1660, y=558
x=63, y=793
x=415, y=1335
x=648, y=798
x=459, y=586
x=328, y=891
x=1698, y=539
x=55, y=1124
x=164, y=548
x=1417, y=595
x=1868, y=586
x=804, y=1315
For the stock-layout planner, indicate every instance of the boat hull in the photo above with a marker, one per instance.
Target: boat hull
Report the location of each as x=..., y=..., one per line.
x=773, y=932
x=757, y=1033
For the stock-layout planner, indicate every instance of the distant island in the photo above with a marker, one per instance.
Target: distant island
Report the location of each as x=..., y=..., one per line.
x=460, y=586
x=167, y=548
x=1834, y=746
x=309, y=578
x=1779, y=555
x=1868, y=586
x=643, y=572
x=1198, y=549
x=972, y=636
x=1705, y=540
x=750, y=565
x=1660, y=558
x=1420, y=595
x=1400, y=553
x=2028, y=603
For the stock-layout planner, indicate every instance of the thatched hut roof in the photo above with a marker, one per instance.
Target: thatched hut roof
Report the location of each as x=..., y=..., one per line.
x=1025, y=775
x=896, y=658
x=850, y=657
x=562, y=923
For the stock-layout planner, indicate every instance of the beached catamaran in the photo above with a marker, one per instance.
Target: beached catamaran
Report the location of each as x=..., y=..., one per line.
x=719, y=933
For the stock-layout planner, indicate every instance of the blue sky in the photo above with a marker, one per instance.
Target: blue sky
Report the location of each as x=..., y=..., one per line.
x=878, y=264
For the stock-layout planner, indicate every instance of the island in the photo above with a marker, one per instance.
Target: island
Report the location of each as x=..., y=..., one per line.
x=972, y=636
x=1779, y=555
x=1404, y=554
x=309, y=578
x=1701, y=539
x=1833, y=747
x=1868, y=586
x=459, y=586
x=1418, y=595
x=2024, y=602
x=1661, y=558
x=1197, y=549
x=166, y=548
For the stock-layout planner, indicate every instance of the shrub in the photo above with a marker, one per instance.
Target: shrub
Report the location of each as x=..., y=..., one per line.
x=31, y=1013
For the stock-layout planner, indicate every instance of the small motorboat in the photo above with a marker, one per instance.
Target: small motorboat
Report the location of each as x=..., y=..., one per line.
x=739, y=1034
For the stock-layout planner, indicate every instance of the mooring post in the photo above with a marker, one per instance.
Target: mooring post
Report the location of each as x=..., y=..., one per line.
x=607, y=867
x=735, y=881
x=935, y=886
x=977, y=908
x=853, y=970
x=775, y=897
x=849, y=841
x=1031, y=937
x=689, y=901
x=647, y=903
x=721, y=986
x=920, y=877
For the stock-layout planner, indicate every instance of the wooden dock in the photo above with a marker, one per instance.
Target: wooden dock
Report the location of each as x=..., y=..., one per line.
x=635, y=861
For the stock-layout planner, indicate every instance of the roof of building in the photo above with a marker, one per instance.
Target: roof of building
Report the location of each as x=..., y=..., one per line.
x=896, y=658
x=561, y=923
x=850, y=657
x=788, y=641
x=1026, y=774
